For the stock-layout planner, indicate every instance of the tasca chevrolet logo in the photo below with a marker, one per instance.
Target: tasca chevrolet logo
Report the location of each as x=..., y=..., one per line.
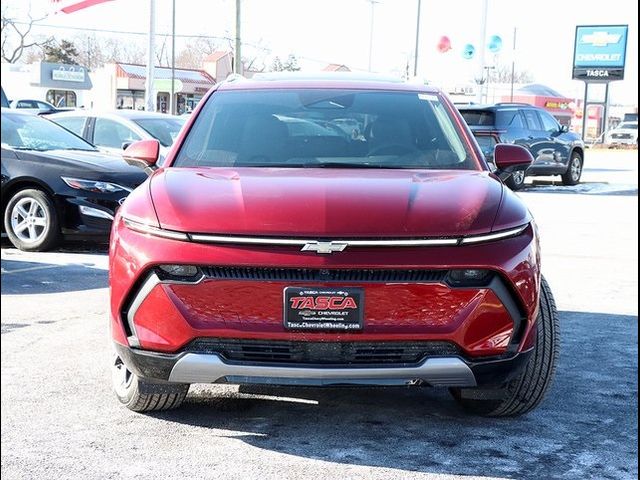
x=600, y=39
x=324, y=247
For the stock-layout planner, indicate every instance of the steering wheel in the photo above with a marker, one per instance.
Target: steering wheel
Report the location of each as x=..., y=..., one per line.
x=392, y=149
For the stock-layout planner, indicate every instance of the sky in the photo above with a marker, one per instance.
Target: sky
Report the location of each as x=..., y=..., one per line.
x=319, y=32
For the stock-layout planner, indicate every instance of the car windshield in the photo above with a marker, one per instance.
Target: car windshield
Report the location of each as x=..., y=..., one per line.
x=165, y=130
x=30, y=132
x=325, y=128
x=628, y=126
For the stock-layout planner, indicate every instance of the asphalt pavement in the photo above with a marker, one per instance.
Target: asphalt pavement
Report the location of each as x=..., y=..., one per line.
x=60, y=419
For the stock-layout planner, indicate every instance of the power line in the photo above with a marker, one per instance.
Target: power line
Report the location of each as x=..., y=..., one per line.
x=158, y=34
x=144, y=34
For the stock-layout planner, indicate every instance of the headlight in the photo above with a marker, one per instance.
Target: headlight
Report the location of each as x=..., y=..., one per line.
x=94, y=185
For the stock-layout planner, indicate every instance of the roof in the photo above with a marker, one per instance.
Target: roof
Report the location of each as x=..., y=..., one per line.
x=539, y=89
x=182, y=74
x=344, y=80
x=336, y=67
x=123, y=113
x=215, y=56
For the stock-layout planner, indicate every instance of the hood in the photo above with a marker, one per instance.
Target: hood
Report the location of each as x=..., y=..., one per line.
x=89, y=165
x=329, y=203
x=95, y=161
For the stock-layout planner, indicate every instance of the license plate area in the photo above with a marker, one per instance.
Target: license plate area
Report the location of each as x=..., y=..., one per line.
x=324, y=309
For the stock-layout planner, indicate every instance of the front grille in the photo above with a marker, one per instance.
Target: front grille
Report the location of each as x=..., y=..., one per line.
x=325, y=353
x=324, y=275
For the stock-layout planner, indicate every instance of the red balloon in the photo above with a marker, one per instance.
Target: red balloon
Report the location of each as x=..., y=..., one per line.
x=444, y=45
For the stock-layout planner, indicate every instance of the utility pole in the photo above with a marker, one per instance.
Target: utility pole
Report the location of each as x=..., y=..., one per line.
x=149, y=93
x=373, y=3
x=173, y=102
x=482, y=47
x=237, y=59
x=415, y=62
x=513, y=61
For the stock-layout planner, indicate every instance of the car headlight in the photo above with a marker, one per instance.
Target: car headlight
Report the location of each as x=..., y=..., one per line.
x=94, y=185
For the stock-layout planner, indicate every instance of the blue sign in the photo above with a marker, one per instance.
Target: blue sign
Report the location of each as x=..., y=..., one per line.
x=599, y=53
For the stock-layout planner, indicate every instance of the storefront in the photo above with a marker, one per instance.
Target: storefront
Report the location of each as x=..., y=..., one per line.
x=59, y=84
x=125, y=85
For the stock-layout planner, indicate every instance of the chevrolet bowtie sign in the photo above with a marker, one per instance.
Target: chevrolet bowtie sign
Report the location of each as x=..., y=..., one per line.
x=599, y=53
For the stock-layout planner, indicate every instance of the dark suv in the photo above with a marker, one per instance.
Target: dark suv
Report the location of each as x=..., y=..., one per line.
x=556, y=150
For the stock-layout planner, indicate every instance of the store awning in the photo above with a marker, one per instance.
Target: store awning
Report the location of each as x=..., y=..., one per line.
x=186, y=80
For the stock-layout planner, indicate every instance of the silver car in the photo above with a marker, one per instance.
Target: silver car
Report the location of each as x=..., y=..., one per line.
x=115, y=130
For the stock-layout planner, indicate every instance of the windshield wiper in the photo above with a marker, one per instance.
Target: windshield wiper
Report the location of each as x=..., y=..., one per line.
x=76, y=149
x=28, y=148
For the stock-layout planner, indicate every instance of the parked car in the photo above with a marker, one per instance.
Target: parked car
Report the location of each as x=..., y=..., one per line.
x=39, y=107
x=259, y=254
x=624, y=134
x=55, y=183
x=555, y=150
x=114, y=131
x=3, y=99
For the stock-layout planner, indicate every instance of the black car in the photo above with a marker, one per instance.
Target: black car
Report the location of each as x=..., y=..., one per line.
x=555, y=150
x=54, y=183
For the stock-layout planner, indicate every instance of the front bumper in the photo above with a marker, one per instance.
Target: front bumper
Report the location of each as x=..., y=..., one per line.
x=447, y=371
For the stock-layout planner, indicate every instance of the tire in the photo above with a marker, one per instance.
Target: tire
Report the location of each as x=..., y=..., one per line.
x=574, y=170
x=31, y=221
x=516, y=180
x=525, y=392
x=141, y=395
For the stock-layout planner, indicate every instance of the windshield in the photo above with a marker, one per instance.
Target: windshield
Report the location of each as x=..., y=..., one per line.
x=628, y=126
x=165, y=130
x=325, y=128
x=30, y=132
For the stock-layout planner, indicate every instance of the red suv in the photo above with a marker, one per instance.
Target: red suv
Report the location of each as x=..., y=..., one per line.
x=332, y=231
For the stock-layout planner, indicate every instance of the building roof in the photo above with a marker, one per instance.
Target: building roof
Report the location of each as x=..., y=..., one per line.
x=217, y=55
x=182, y=74
x=540, y=90
x=335, y=67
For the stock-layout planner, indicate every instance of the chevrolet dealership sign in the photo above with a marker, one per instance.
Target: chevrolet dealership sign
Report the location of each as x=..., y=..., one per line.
x=599, y=53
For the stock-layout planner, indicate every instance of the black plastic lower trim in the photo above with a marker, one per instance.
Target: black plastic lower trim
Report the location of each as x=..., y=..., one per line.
x=157, y=366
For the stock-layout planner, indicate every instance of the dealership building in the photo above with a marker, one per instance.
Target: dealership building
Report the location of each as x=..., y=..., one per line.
x=58, y=84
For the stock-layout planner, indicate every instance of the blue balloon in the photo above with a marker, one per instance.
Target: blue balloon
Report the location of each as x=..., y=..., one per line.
x=495, y=44
x=468, y=51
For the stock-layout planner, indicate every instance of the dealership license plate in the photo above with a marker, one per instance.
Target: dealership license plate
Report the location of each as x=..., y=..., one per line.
x=323, y=308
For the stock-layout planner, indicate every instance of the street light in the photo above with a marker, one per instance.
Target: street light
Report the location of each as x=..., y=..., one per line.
x=373, y=3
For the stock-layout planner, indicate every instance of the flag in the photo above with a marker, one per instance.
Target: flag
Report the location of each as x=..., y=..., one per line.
x=70, y=6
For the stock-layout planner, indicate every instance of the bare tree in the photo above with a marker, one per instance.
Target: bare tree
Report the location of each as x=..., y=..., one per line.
x=16, y=37
x=501, y=73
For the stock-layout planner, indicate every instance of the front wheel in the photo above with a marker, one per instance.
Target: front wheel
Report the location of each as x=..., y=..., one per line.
x=31, y=221
x=574, y=170
x=525, y=392
x=516, y=180
x=144, y=396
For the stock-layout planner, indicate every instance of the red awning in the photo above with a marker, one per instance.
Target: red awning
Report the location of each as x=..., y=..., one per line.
x=70, y=6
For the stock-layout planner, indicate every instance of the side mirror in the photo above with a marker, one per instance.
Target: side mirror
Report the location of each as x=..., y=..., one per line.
x=126, y=145
x=564, y=129
x=143, y=154
x=510, y=158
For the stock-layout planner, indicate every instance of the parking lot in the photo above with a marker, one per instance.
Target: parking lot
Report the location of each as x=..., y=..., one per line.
x=60, y=419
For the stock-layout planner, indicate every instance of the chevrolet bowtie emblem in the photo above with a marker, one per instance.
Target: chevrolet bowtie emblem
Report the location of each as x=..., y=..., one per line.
x=324, y=247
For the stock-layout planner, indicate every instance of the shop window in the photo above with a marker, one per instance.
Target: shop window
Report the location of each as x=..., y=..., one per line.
x=62, y=98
